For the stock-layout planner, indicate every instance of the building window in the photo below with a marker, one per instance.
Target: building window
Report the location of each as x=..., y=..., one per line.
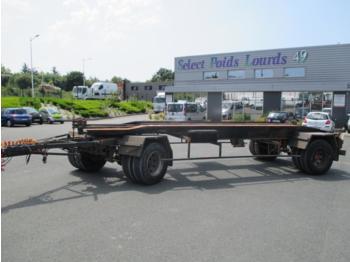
x=294, y=72
x=134, y=88
x=148, y=88
x=161, y=87
x=263, y=73
x=211, y=75
x=236, y=74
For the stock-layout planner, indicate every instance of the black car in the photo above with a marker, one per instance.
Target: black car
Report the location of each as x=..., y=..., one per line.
x=36, y=116
x=279, y=117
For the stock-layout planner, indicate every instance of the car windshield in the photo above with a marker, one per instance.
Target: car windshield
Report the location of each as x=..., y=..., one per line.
x=159, y=100
x=175, y=107
x=191, y=108
x=317, y=116
x=52, y=111
x=31, y=110
x=226, y=105
x=18, y=111
x=273, y=115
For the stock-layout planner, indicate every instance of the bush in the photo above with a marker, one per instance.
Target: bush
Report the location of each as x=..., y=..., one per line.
x=241, y=117
x=7, y=102
x=85, y=108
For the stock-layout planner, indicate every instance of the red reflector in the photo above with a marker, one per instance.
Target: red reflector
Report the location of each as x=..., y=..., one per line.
x=328, y=122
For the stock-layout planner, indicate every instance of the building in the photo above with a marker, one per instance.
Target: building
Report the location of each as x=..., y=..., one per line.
x=311, y=74
x=145, y=90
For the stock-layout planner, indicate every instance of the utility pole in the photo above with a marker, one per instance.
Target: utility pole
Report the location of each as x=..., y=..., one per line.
x=31, y=62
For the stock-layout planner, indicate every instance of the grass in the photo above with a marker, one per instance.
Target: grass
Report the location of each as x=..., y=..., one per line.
x=85, y=108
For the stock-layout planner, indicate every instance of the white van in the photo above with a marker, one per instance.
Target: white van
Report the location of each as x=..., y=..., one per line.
x=159, y=102
x=81, y=92
x=101, y=90
x=182, y=111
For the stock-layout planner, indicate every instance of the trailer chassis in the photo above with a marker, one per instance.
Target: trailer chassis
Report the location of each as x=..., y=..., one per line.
x=144, y=151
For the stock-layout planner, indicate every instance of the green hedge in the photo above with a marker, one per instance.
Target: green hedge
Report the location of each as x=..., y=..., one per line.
x=85, y=108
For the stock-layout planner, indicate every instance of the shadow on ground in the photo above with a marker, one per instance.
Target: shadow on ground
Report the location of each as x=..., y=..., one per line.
x=196, y=176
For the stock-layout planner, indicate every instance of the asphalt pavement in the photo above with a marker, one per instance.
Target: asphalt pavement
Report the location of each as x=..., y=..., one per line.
x=213, y=210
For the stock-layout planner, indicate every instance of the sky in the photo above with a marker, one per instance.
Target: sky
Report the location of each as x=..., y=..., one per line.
x=134, y=38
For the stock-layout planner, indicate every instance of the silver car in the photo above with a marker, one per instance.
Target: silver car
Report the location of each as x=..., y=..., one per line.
x=319, y=120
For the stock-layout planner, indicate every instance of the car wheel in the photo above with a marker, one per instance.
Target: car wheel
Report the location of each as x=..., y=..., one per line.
x=28, y=124
x=50, y=122
x=9, y=123
x=41, y=122
x=62, y=122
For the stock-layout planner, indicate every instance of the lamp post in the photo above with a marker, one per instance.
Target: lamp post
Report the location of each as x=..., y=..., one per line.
x=31, y=61
x=84, y=60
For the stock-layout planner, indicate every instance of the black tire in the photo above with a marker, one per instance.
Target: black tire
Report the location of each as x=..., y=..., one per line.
x=62, y=122
x=127, y=168
x=296, y=160
x=318, y=157
x=259, y=148
x=86, y=162
x=252, y=147
x=72, y=158
x=9, y=123
x=149, y=168
x=50, y=122
x=28, y=124
x=41, y=122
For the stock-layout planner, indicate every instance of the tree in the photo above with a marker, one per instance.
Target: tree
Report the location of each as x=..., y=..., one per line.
x=91, y=80
x=119, y=80
x=54, y=70
x=23, y=81
x=25, y=68
x=74, y=78
x=163, y=75
x=5, y=75
x=116, y=79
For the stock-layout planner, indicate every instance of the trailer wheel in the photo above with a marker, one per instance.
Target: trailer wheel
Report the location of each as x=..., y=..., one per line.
x=318, y=157
x=71, y=158
x=149, y=168
x=259, y=148
x=296, y=160
x=86, y=162
x=127, y=169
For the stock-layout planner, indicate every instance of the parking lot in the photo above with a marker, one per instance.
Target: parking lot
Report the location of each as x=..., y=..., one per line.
x=214, y=210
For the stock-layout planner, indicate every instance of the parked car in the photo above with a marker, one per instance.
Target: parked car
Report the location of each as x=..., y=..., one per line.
x=301, y=112
x=279, y=117
x=15, y=116
x=327, y=110
x=51, y=115
x=319, y=120
x=36, y=116
x=229, y=107
x=182, y=111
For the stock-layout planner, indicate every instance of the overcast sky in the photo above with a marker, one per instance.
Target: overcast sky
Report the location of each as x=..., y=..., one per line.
x=134, y=38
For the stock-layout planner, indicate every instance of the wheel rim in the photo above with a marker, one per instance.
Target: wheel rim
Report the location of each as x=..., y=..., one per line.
x=8, y=123
x=153, y=164
x=320, y=158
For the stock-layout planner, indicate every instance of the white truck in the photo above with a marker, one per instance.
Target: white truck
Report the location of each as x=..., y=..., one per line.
x=81, y=92
x=159, y=102
x=99, y=90
x=102, y=90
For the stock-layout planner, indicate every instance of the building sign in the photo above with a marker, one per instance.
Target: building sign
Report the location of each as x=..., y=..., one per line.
x=216, y=62
x=301, y=56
